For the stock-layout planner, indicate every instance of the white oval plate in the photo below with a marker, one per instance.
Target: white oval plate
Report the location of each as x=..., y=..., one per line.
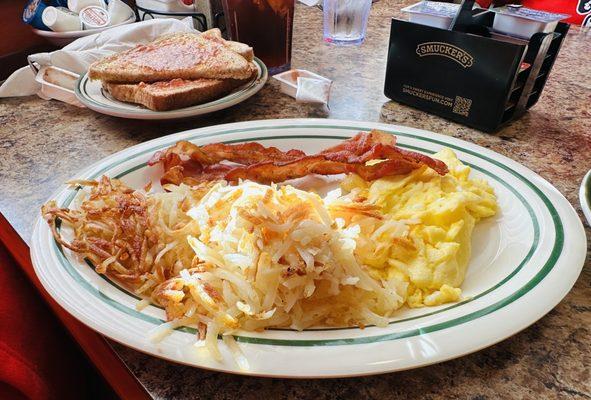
x=585, y=196
x=63, y=38
x=519, y=270
x=91, y=94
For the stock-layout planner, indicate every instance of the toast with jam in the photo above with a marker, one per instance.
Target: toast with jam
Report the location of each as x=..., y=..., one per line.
x=125, y=76
x=178, y=56
x=173, y=94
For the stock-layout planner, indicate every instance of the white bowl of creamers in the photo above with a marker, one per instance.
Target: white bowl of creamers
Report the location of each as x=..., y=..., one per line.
x=83, y=18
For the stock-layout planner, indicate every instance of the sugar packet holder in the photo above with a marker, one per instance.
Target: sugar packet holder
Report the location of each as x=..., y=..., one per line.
x=305, y=86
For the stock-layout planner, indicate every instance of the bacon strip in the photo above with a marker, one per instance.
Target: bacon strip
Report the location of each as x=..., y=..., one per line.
x=243, y=153
x=271, y=172
x=190, y=164
x=362, y=143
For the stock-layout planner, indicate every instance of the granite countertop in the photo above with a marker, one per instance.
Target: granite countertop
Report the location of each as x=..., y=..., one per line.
x=42, y=143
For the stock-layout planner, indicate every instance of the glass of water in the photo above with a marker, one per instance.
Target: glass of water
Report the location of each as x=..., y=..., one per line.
x=345, y=21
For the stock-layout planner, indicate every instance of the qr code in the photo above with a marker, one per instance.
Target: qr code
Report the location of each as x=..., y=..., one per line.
x=462, y=106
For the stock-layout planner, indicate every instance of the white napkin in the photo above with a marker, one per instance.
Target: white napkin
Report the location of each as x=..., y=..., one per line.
x=78, y=55
x=313, y=90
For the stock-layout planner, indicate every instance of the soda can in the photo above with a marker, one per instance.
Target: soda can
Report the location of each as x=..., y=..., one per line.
x=32, y=14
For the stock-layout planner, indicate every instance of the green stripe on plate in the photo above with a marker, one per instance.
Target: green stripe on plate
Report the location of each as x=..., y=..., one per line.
x=549, y=264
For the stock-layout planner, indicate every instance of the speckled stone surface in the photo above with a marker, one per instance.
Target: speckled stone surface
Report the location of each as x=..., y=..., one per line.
x=42, y=143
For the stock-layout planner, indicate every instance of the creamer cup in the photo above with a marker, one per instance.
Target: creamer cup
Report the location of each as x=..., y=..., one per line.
x=94, y=17
x=60, y=19
x=118, y=11
x=78, y=5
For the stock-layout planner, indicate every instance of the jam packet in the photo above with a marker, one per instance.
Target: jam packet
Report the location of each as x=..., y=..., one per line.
x=522, y=22
x=434, y=8
x=531, y=14
x=432, y=13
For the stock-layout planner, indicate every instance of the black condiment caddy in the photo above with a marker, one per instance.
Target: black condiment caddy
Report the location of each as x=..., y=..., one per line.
x=466, y=75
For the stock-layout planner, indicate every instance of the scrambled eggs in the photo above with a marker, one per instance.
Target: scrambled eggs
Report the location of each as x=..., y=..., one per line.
x=441, y=212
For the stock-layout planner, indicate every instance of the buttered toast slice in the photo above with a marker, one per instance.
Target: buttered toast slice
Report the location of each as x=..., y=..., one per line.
x=216, y=35
x=173, y=94
x=183, y=56
x=243, y=49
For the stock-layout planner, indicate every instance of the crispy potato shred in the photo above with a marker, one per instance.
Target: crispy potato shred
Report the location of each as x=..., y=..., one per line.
x=220, y=250
x=121, y=231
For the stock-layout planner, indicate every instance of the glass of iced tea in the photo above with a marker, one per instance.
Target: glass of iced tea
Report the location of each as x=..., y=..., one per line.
x=266, y=25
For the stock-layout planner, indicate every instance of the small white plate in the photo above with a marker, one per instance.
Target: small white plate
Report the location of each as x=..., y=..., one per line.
x=91, y=94
x=288, y=80
x=524, y=261
x=64, y=38
x=585, y=196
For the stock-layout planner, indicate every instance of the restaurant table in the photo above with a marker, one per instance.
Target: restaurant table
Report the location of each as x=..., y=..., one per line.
x=43, y=143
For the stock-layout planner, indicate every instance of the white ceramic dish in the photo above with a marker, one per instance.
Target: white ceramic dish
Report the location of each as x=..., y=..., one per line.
x=91, y=94
x=585, y=196
x=289, y=80
x=57, y=83
x=64, y=38
x=525, y=260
